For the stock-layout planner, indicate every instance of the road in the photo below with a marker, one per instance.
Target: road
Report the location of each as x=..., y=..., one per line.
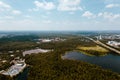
x=104, y=45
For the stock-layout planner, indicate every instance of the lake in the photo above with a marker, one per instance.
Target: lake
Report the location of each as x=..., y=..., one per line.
x=109, y=61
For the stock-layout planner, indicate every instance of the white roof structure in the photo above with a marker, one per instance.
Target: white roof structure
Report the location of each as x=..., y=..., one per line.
x=114, y=43
x=14, y=70
x=35, y=51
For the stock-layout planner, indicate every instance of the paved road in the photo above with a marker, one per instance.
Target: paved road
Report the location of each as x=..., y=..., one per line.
x=104, y=45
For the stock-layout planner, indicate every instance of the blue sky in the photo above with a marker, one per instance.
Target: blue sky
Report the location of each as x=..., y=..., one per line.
x=59, y=15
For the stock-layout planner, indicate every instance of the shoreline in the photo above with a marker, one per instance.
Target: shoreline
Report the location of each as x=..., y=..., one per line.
x=64, y=58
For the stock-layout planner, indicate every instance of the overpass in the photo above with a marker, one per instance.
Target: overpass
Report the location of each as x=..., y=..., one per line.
x=104, y=45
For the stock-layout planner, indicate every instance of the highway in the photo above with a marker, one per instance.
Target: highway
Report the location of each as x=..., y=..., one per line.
x=104, y=45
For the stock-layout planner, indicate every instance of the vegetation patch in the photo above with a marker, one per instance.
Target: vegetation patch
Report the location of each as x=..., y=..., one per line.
x=94, y=50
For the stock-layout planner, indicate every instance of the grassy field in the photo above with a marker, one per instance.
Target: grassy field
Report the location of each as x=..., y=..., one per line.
x=95, y=50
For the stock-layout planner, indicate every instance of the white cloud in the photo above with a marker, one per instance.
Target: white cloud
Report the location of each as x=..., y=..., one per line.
x=8, y=17
x=111, y=1
x=100, y=14
x=43, y=5
x=2, y=18
x=109, y=16
x=112, y=5
x=88, y=14
x=27, y=16
x=71, y=12
x=16, y=12
x=47, y=21
x=24, y=21
x=4, y=6
x=69, y=5
x=44, y=16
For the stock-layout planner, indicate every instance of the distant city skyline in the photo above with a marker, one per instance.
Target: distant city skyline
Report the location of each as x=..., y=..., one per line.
x=60, y=15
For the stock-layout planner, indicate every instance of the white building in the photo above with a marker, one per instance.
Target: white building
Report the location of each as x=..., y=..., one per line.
x=113, y=43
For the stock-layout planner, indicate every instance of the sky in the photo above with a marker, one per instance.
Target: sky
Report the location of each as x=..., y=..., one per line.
x=73, y=15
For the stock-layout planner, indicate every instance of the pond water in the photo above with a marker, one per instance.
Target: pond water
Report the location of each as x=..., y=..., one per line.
x=23, y=75
x=109, y=61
